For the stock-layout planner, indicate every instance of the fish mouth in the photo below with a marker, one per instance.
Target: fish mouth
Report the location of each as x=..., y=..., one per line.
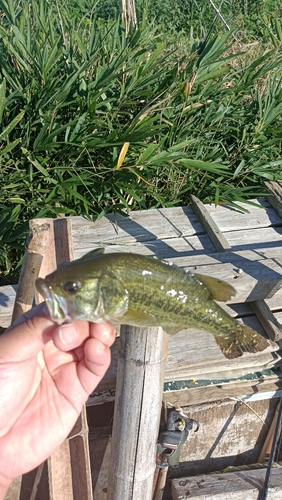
x=57, y=305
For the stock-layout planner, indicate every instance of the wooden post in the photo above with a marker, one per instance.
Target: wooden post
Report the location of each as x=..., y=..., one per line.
x=267, y=445
x=140, y=377
x=267, y=319
x=39, y=240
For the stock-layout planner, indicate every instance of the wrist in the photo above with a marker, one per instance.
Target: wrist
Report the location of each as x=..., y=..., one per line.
x=4, y=486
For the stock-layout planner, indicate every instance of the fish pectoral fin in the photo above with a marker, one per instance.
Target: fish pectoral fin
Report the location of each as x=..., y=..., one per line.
x=171, y=329
x=243, y=339
x=115, y=296
x=219, y=289
x=139, y=318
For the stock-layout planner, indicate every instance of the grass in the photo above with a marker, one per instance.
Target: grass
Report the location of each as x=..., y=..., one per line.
x=94, y=120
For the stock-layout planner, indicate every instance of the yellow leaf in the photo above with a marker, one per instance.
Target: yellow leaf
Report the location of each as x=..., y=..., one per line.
x=122, y=155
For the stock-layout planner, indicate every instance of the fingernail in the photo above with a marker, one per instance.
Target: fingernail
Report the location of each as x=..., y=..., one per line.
x=106, y=334
x=67, y=334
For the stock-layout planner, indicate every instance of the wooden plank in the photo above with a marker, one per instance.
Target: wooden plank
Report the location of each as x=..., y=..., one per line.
x=80, y=460
x=242, y=485
x=267, y=319
x=256, y=281
x=63, y=240
x=183, y=381
x=7, y=299
x=229, y=219
x=59, y=463
x=148, y=225
x=198, y=250
x=34, y=485
x=211, y=228
x=275, y=198
x=60, y=475
x=145, y=225
x=193, y=355
x=230, y=433
x=141, y=367
x=100, y=453
x=162, y=224
x=164, y=249
x=13, y=492
x=74, y=471
x=218, y=391
x=246, y=238
x=267, y=445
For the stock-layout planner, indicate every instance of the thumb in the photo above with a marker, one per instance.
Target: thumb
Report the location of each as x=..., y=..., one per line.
x=28, y=334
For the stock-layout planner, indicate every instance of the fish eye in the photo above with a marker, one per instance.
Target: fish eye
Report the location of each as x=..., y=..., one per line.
x=71, y=287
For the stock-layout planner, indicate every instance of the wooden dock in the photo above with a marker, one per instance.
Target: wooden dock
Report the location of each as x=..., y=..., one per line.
x=242, y=248
x=252, y=265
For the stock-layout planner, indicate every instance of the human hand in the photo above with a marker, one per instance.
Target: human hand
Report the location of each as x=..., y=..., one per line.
x=46, y=374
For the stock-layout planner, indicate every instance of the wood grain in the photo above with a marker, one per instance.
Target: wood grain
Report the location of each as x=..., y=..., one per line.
x=176, y=234
x=142, y=356
x=242, y=485
x=39, y=242
x=70, y=463
x=214, y=233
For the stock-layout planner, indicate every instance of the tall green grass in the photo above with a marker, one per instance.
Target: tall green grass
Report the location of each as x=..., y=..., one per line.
x=248, y=18
x=74, y=89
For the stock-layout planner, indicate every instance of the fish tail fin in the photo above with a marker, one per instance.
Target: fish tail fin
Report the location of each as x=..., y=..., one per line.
x=239, y=340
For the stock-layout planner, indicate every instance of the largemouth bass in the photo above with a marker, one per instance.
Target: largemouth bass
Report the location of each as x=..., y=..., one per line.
x=145, y=291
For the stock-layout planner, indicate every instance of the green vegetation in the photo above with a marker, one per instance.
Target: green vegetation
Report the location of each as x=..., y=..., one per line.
x=250, y=19
x=199, y=117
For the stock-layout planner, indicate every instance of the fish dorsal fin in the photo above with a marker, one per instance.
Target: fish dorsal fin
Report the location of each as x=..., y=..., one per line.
x=219, y=289
x=87, y=256
x=92, y=254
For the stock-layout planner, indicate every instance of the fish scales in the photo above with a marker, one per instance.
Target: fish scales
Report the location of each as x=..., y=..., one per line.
x=152, y=294
x=172, y=308
x=145, y=291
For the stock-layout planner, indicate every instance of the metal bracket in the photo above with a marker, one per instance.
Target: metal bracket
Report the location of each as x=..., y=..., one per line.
x=175, y=435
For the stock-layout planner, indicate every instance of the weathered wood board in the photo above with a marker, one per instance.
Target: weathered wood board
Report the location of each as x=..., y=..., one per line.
x=252, y=266
x=177, y=235
x=231, y=433
x=242, y=485
x=7, y=299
